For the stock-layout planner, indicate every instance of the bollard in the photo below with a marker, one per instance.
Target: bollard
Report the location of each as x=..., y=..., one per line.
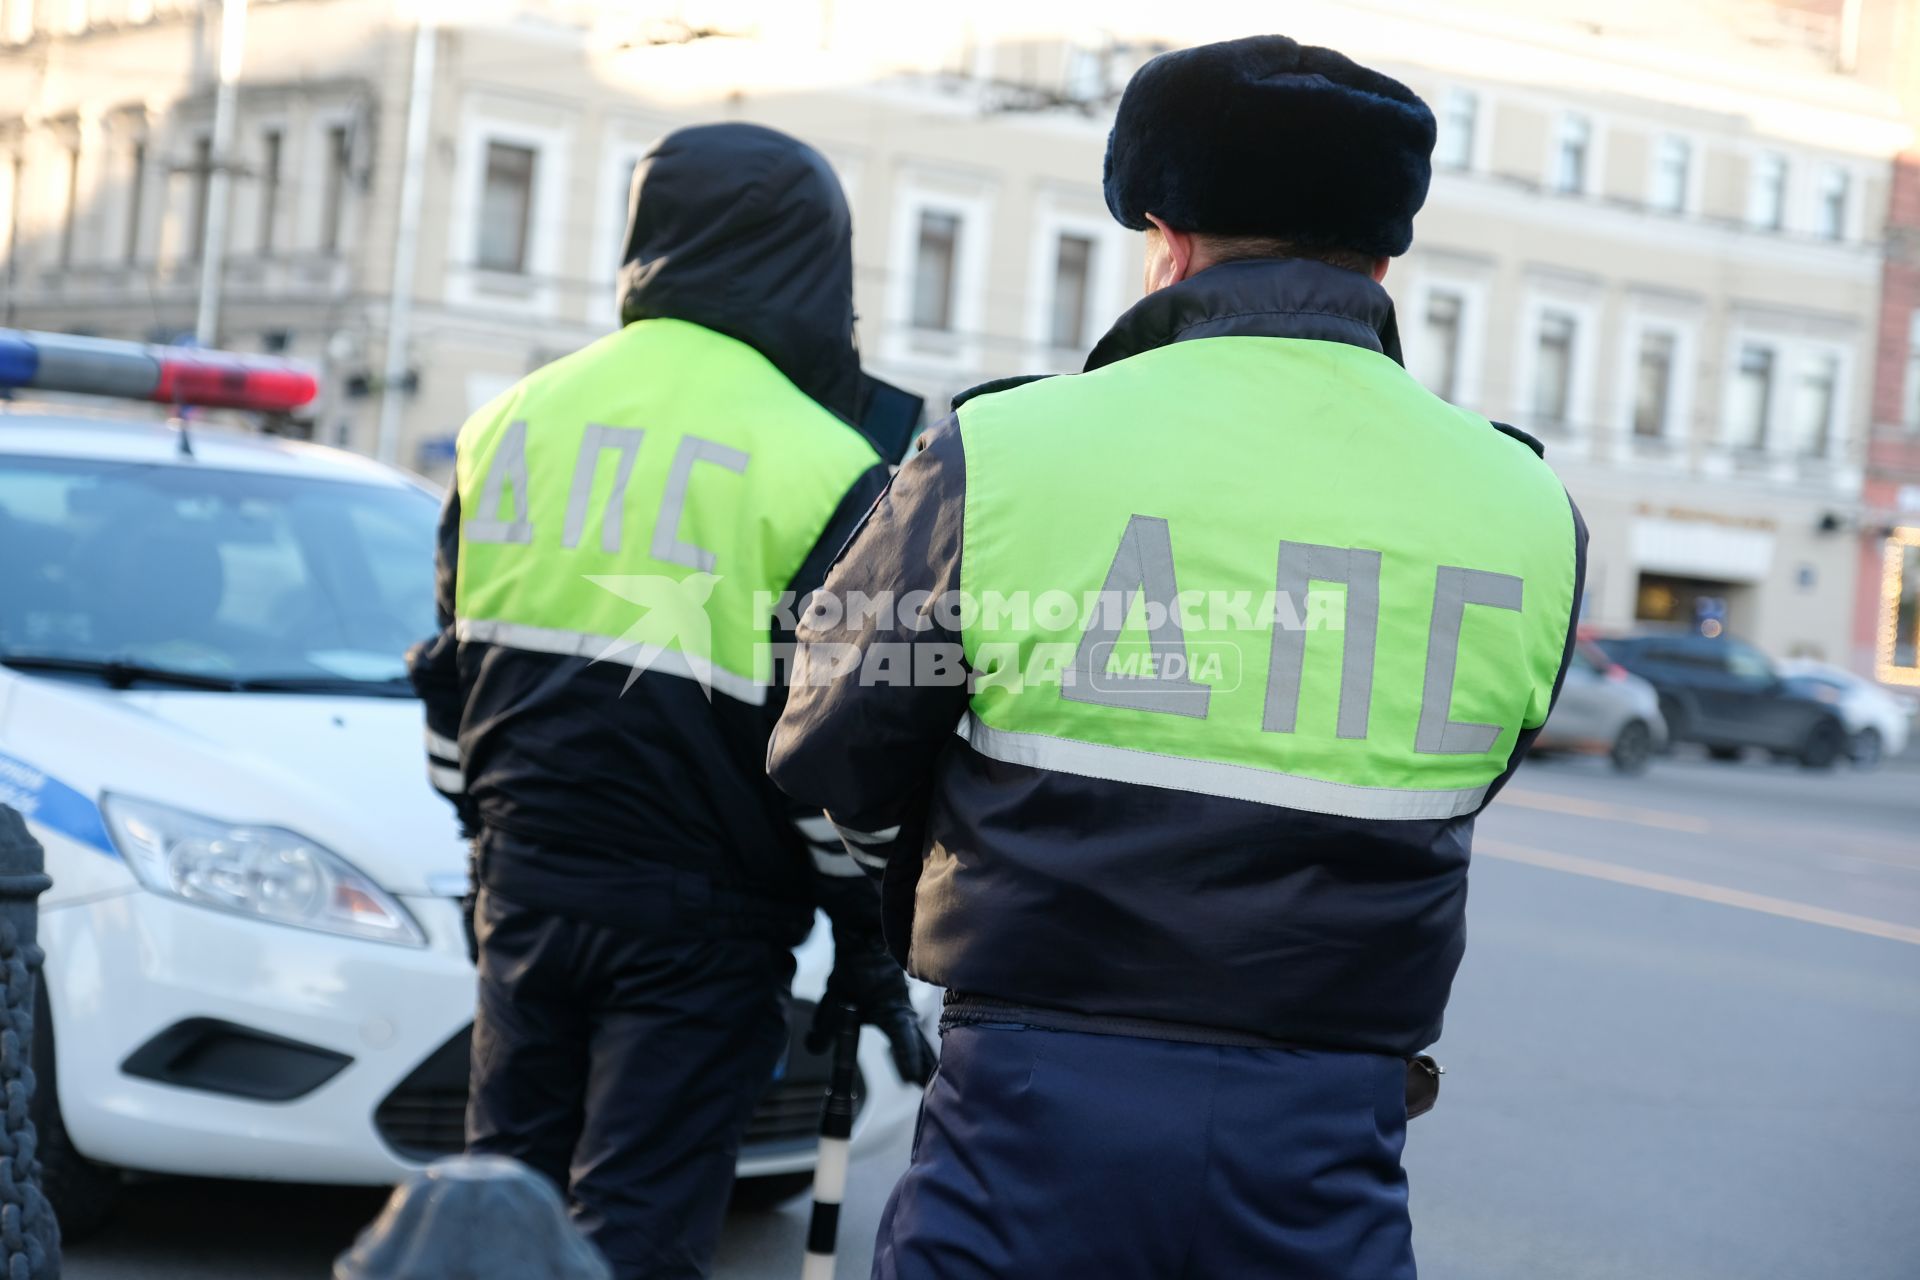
x=472, y=1218
x=29, y=1236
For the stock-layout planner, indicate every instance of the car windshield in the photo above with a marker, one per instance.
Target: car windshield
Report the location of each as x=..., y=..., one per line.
x=211, y=578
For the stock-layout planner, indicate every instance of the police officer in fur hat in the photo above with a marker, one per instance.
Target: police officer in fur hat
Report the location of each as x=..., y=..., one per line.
x=1198, y=898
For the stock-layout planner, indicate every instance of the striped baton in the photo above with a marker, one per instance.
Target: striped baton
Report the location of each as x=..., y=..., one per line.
x=830, y=1171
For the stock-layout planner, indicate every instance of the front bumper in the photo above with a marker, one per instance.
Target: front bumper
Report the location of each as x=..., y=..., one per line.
x=127, y=970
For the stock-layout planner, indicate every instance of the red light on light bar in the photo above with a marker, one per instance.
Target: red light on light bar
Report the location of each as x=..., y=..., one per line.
x=230, y=383
x=168, y=375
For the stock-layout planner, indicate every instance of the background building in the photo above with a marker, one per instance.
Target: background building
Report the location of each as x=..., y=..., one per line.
x=1887, y=619
x=1656, y=237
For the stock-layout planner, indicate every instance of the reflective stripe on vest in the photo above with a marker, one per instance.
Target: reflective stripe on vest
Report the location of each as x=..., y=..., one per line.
x=643, y=501
x=1340, y=594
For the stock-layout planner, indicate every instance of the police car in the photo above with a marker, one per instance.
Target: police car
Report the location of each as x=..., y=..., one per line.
x=255, y=965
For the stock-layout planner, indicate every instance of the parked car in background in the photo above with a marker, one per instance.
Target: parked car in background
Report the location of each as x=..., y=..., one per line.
x=1878, y=722
x=1727, y=696
x=1605, y=710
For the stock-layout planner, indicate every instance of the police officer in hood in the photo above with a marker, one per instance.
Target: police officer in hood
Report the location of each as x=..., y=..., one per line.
x=600, y=698
x=1193, y=866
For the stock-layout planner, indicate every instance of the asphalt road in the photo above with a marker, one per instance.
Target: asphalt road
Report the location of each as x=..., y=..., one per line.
x=1685, y=1044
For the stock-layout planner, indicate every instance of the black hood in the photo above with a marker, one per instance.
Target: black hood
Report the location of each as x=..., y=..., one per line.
x=743, y=230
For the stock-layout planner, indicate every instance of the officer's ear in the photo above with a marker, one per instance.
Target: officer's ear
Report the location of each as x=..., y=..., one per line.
x=1170, y=255
x=1379, y=271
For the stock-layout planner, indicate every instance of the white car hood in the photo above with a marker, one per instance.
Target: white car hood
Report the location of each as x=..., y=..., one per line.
x=349, y=772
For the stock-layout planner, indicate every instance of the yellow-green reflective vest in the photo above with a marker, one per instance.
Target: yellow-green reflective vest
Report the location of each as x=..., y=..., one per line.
x=1348, y=597
x=646, y=500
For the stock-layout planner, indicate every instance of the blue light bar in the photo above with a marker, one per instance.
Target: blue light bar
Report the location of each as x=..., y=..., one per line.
x=166, y=375
x=18, y=360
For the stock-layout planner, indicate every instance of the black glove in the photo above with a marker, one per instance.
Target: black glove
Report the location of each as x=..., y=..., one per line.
x=866, y=977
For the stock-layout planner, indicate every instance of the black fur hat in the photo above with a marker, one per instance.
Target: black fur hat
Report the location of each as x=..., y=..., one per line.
x=1264, y=136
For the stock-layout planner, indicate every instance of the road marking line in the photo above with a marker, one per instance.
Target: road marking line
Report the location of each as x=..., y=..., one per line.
x=1551, y=802
x=1598, y=870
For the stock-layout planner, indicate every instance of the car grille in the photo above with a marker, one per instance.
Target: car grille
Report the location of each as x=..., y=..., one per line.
x=425, y=1116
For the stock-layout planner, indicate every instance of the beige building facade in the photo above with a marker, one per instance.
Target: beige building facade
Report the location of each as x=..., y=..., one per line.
x=1662, y=258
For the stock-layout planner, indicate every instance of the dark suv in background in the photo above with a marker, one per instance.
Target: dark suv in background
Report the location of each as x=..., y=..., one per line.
x=1725, y=695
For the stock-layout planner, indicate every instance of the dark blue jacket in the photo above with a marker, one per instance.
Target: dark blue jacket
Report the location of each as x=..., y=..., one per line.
x=1079, y=902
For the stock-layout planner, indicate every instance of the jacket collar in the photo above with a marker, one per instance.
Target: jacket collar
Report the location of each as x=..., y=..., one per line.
x=1266, y=298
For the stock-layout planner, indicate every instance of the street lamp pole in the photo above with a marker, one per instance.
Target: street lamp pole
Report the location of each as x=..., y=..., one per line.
x=213, y=247
x=406, y=242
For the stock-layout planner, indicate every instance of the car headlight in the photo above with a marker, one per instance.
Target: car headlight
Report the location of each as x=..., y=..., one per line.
x=265, y=872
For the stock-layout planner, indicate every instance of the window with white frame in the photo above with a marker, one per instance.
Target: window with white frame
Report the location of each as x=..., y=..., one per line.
x=1672, y=174
x=333, y=209
x=935, y=260
x=10, y=203
x=624, y=213
x=1910, y=406
x=1813, y=404
x=1072, y=285
x=1836, y=188
x=506, y=208
x=1750, y=398
x=1440, y=336
x=272, y=146
x=1089, y=73
x=1459, y=119
x=136, y=197
x=618, y=170
x=1553, y=368
x=1767, y=191
x=1573, y=154
x=1653, y=384
x=202, y=171
x=70, y=210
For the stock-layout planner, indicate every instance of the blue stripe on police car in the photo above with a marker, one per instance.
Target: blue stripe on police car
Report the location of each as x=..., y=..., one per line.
x=53, y=804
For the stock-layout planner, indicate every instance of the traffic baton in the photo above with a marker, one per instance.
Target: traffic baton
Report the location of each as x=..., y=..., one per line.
x=830, y=1170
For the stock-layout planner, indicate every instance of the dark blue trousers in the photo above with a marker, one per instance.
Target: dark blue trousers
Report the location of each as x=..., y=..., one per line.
x=624, y=1067
x=1056, y=1153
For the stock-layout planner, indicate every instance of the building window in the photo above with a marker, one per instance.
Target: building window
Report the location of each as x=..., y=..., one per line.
x=934, y=261
x=1813, y=404
x=1767, y=195
x=1089, y=74
x=70, y=214
x=270, y=147
x=1672, y=173
x=1440, y=350
x=1910, y=410
x=202, y=196
x=16, y=173
x=1752, y=398
x=1459, y=117
x=333, y=209
x=1572, y=154
x=1835, y=187
x=626, y=203
x=506, y=208
x=1899, y=657
x=136, y=197
x=1653, y=385
x=1553, y=369
x=1072, y=279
